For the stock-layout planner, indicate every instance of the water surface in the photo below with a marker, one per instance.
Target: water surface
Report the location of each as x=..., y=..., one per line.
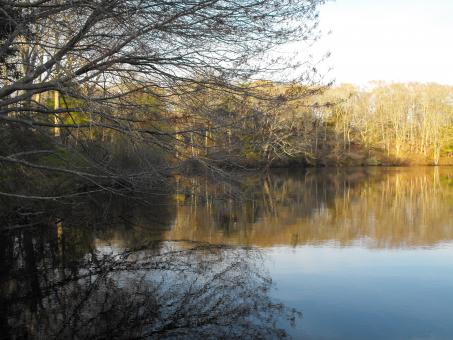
x=359, y=253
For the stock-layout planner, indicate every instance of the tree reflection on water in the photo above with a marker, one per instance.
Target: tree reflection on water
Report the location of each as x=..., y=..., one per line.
x=112, y=268
x=379, y=207
x=188, y=290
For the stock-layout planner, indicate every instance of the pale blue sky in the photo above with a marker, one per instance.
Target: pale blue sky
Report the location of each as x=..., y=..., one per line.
x=390, y=40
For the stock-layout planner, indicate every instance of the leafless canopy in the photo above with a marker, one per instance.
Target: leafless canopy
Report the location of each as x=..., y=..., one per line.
x=121, y=66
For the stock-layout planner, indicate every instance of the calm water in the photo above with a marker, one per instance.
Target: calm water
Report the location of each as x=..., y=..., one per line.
x=319, y=254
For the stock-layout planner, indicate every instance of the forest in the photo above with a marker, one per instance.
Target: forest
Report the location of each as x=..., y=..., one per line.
x=121, y=96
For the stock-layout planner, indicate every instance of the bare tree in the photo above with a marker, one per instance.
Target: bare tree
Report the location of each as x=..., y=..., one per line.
x=90, y=70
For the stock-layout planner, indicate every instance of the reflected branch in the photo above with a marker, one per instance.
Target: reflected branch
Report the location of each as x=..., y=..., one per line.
x=175, y=290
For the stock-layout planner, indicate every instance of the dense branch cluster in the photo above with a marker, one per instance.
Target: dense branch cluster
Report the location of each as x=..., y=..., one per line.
x=119, y=72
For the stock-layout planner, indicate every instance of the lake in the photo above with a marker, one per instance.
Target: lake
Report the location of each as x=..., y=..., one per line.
x=348, y=253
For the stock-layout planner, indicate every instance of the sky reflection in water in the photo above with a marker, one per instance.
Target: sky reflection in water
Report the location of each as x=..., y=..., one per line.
x=358, y=293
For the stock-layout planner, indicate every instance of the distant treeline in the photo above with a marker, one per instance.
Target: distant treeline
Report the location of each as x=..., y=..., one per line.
x=389, y=123
x=386, y=124
x=270, y=125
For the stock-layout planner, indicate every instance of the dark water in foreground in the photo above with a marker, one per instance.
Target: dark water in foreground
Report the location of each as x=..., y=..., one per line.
x=326, y=254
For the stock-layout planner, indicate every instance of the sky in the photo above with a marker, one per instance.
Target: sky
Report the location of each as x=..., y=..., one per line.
x=389, y=40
